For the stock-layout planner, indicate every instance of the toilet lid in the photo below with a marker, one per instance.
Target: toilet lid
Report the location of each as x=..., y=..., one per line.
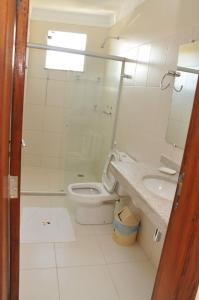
x=108, y=180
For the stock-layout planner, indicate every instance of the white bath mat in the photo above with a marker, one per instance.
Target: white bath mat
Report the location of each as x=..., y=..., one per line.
x=43, y=225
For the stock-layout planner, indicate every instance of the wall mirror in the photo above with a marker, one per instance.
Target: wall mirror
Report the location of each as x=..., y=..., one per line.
x=182, y=101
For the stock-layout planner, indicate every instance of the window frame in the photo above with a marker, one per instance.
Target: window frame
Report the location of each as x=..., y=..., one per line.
x=65, y=68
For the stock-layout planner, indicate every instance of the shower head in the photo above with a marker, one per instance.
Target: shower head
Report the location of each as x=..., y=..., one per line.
x=109, y=38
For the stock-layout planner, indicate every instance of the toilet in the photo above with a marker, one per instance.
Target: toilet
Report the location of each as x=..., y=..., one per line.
x=94, y=202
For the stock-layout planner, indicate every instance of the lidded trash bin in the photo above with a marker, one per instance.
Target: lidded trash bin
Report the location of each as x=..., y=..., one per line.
x=125, y=227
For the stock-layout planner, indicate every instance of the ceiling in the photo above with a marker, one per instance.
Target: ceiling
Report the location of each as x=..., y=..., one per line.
x=88, y=6
x=112, y=9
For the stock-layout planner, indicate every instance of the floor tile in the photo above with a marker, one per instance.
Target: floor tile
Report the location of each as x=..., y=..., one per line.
x=37, y=256
x=115, y=253
x=82, y=230
x=86, y=283
x=103, y=229
x=92, y=267
x=134, y=281
x=84, y=252
x=39, y=285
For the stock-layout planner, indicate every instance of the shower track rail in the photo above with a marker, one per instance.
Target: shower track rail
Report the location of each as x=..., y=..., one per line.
x=42, y=193
x=188, y=70
x=80, y=52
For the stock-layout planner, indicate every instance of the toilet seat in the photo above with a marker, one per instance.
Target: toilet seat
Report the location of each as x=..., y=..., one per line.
x=93, y=193
x=95, y=201
x=108, y=180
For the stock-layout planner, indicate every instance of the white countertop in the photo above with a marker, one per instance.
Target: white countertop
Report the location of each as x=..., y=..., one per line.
x=130, y=176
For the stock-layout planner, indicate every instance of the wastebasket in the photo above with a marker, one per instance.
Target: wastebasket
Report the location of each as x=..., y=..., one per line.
x=125, y=227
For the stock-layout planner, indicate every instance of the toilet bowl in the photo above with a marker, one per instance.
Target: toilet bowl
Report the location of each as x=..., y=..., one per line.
x=94, y=202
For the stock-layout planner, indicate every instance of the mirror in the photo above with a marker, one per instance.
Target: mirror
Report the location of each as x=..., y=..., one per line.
x=182, y=101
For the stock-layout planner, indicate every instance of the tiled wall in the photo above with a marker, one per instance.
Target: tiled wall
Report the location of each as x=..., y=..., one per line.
x=60, y=124
x=152, y=35
x=109, y=103
x=64, y=124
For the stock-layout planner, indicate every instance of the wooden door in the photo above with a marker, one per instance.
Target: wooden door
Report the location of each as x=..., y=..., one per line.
x=178, y=274
x=7, y=24
x=16, y=137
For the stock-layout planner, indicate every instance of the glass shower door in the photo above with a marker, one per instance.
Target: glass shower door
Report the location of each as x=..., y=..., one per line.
x=90, y=112
x=69, y=121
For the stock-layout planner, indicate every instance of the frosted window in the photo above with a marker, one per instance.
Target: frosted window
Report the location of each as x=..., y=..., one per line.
x=66, y=61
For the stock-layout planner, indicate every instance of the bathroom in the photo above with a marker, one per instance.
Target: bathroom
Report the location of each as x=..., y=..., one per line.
x=109, y=89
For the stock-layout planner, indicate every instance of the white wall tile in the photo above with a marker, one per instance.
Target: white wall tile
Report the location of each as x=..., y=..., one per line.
x=53, y=119
x=36, y=91
x=51, y=144
x=30, y=159
x=165, y=35
x=57, y=75
x=144, y=108
x=68, y=99
x=172, y=53
x=69, y=90
x=33, y=117
x=36, y=64
x=141, y=73
x=157, y=61
x=55, y=93
x=33, y=141
x=130, y=68
x=52, y=162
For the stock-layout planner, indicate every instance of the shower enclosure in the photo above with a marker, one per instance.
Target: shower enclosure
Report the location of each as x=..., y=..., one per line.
x=69, y=121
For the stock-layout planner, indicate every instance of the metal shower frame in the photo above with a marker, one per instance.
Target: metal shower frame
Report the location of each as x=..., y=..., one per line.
x=121, y=59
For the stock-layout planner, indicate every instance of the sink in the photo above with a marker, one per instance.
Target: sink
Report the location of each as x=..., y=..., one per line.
x=161, y=186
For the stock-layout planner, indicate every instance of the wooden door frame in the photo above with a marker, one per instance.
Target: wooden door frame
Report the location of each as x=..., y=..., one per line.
x=7, y=26
x=178, y=273
x=16, y=138
x=177, y=277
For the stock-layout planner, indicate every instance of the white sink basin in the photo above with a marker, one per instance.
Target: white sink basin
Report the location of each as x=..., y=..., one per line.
x=160, y=186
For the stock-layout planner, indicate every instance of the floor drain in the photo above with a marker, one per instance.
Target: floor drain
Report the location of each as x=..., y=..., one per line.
x=80, y=175
x=45, y=222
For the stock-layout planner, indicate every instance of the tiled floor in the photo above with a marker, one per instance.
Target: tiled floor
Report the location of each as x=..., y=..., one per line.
x=46, y=225
x=93, y=267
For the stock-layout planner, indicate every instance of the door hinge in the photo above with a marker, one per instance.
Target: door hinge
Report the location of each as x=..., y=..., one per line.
x=13, y=187
x=179, y=189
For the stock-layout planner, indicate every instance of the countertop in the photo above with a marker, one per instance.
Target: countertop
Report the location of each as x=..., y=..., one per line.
x=130, y=175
